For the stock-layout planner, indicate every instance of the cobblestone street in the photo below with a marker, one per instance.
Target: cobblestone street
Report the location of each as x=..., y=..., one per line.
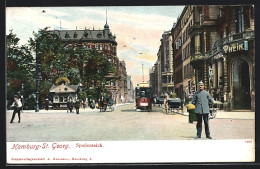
x=125, y=123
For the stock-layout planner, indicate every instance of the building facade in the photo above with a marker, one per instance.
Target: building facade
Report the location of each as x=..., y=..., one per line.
x=231, y=60
x=188, y=73
x=153, y=76
x=161, y=74
x=166, y=63
x=177, y=58
x=217, y=42
x=130, y=90
x=123, y=93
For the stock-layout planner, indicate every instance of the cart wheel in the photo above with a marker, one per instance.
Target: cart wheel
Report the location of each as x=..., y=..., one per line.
x=213, y=114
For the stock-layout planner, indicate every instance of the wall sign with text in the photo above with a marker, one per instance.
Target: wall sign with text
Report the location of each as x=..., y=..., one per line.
x=235, y=47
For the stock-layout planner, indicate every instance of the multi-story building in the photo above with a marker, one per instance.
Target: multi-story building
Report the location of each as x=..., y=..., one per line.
x=153, y=76
x=101, y=40
x=203, y=35
x=130, y=90
x=188, y=74
x=177, y=57
x=123, y=82
x=218, y=42
x=231, y=59
x=166, y=63
x=161, y=74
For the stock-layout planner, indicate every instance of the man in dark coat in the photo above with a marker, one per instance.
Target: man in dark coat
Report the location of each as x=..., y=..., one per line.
x=69, y=106
x=201, y=100
x=47, y=104
x=77, y=105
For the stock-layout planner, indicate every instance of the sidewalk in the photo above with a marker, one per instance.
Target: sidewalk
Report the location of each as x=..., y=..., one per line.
x=221, y=114
x=88, y=109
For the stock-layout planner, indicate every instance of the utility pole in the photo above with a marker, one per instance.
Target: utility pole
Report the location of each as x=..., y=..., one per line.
x=143, y=71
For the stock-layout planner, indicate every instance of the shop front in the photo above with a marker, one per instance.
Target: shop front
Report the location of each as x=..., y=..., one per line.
x=232, y=72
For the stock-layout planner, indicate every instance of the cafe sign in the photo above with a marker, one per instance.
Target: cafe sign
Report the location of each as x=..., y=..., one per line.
x=235, y=47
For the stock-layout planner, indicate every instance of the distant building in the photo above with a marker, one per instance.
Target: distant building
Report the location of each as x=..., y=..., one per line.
x=161, y=75
x=177, y=57
x=123, y=82
x=130, y=89
x=166, y=63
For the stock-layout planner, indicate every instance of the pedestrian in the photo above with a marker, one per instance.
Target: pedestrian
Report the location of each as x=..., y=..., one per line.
x=201, y=99
x=77, y=105
x=17, y=108
x=47, y=104
x=165, y=102
x=84, y=105
x=69, y=106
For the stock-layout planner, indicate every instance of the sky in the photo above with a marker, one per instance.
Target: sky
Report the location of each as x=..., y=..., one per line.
x=138, y=29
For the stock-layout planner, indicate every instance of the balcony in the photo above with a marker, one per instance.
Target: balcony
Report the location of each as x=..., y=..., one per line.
x=249, y=35
x=194, y=29
x=168, y=85
x=197, y=60
x=235, y=38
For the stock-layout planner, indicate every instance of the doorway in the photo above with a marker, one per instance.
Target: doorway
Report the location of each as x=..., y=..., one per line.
x=241, y=85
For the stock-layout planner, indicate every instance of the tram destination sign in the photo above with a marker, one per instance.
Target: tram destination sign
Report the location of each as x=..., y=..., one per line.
x=235, y=47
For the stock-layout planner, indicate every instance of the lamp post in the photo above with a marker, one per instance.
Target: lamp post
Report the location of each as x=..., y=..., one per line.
x=37, y=78
x=22, y=92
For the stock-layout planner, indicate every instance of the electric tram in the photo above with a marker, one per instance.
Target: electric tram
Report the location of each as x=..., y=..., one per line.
x=143, y=96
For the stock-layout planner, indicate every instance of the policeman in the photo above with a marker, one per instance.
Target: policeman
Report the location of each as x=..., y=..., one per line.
x=201, y=100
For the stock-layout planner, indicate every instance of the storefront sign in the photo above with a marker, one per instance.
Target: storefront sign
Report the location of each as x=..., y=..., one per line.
x=235, y=47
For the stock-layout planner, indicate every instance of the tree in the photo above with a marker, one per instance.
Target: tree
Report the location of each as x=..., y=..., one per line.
x=77, y=63
x=50, y=53
x=19, y=68
x=96, y=68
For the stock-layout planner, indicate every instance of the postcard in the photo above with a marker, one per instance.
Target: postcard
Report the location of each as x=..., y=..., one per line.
x=130, y=84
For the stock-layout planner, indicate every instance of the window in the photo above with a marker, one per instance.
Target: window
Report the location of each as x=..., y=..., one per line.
x=240, y=19
x=61, y=99
x=101, y=47
x=56, y=98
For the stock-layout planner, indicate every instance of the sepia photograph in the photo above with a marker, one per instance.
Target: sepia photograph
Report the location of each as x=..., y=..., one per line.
x=130, y=84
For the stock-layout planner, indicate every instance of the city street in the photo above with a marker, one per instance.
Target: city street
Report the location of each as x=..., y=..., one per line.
x=125, y=123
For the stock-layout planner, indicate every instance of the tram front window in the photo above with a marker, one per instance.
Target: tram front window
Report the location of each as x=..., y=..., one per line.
x=142, y=93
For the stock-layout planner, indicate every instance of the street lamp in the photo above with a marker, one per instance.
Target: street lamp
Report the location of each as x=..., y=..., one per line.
x=22, y=92
x=37, y=77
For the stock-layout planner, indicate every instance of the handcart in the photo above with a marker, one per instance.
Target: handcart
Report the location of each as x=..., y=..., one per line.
x=213, y=108
x=173, y=105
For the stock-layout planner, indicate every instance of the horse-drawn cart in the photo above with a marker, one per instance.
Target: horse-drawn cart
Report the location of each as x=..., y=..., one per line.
x=105, y=104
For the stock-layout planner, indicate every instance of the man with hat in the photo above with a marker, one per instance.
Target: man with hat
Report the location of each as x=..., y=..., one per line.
x=201, y=100
x=17, y=108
